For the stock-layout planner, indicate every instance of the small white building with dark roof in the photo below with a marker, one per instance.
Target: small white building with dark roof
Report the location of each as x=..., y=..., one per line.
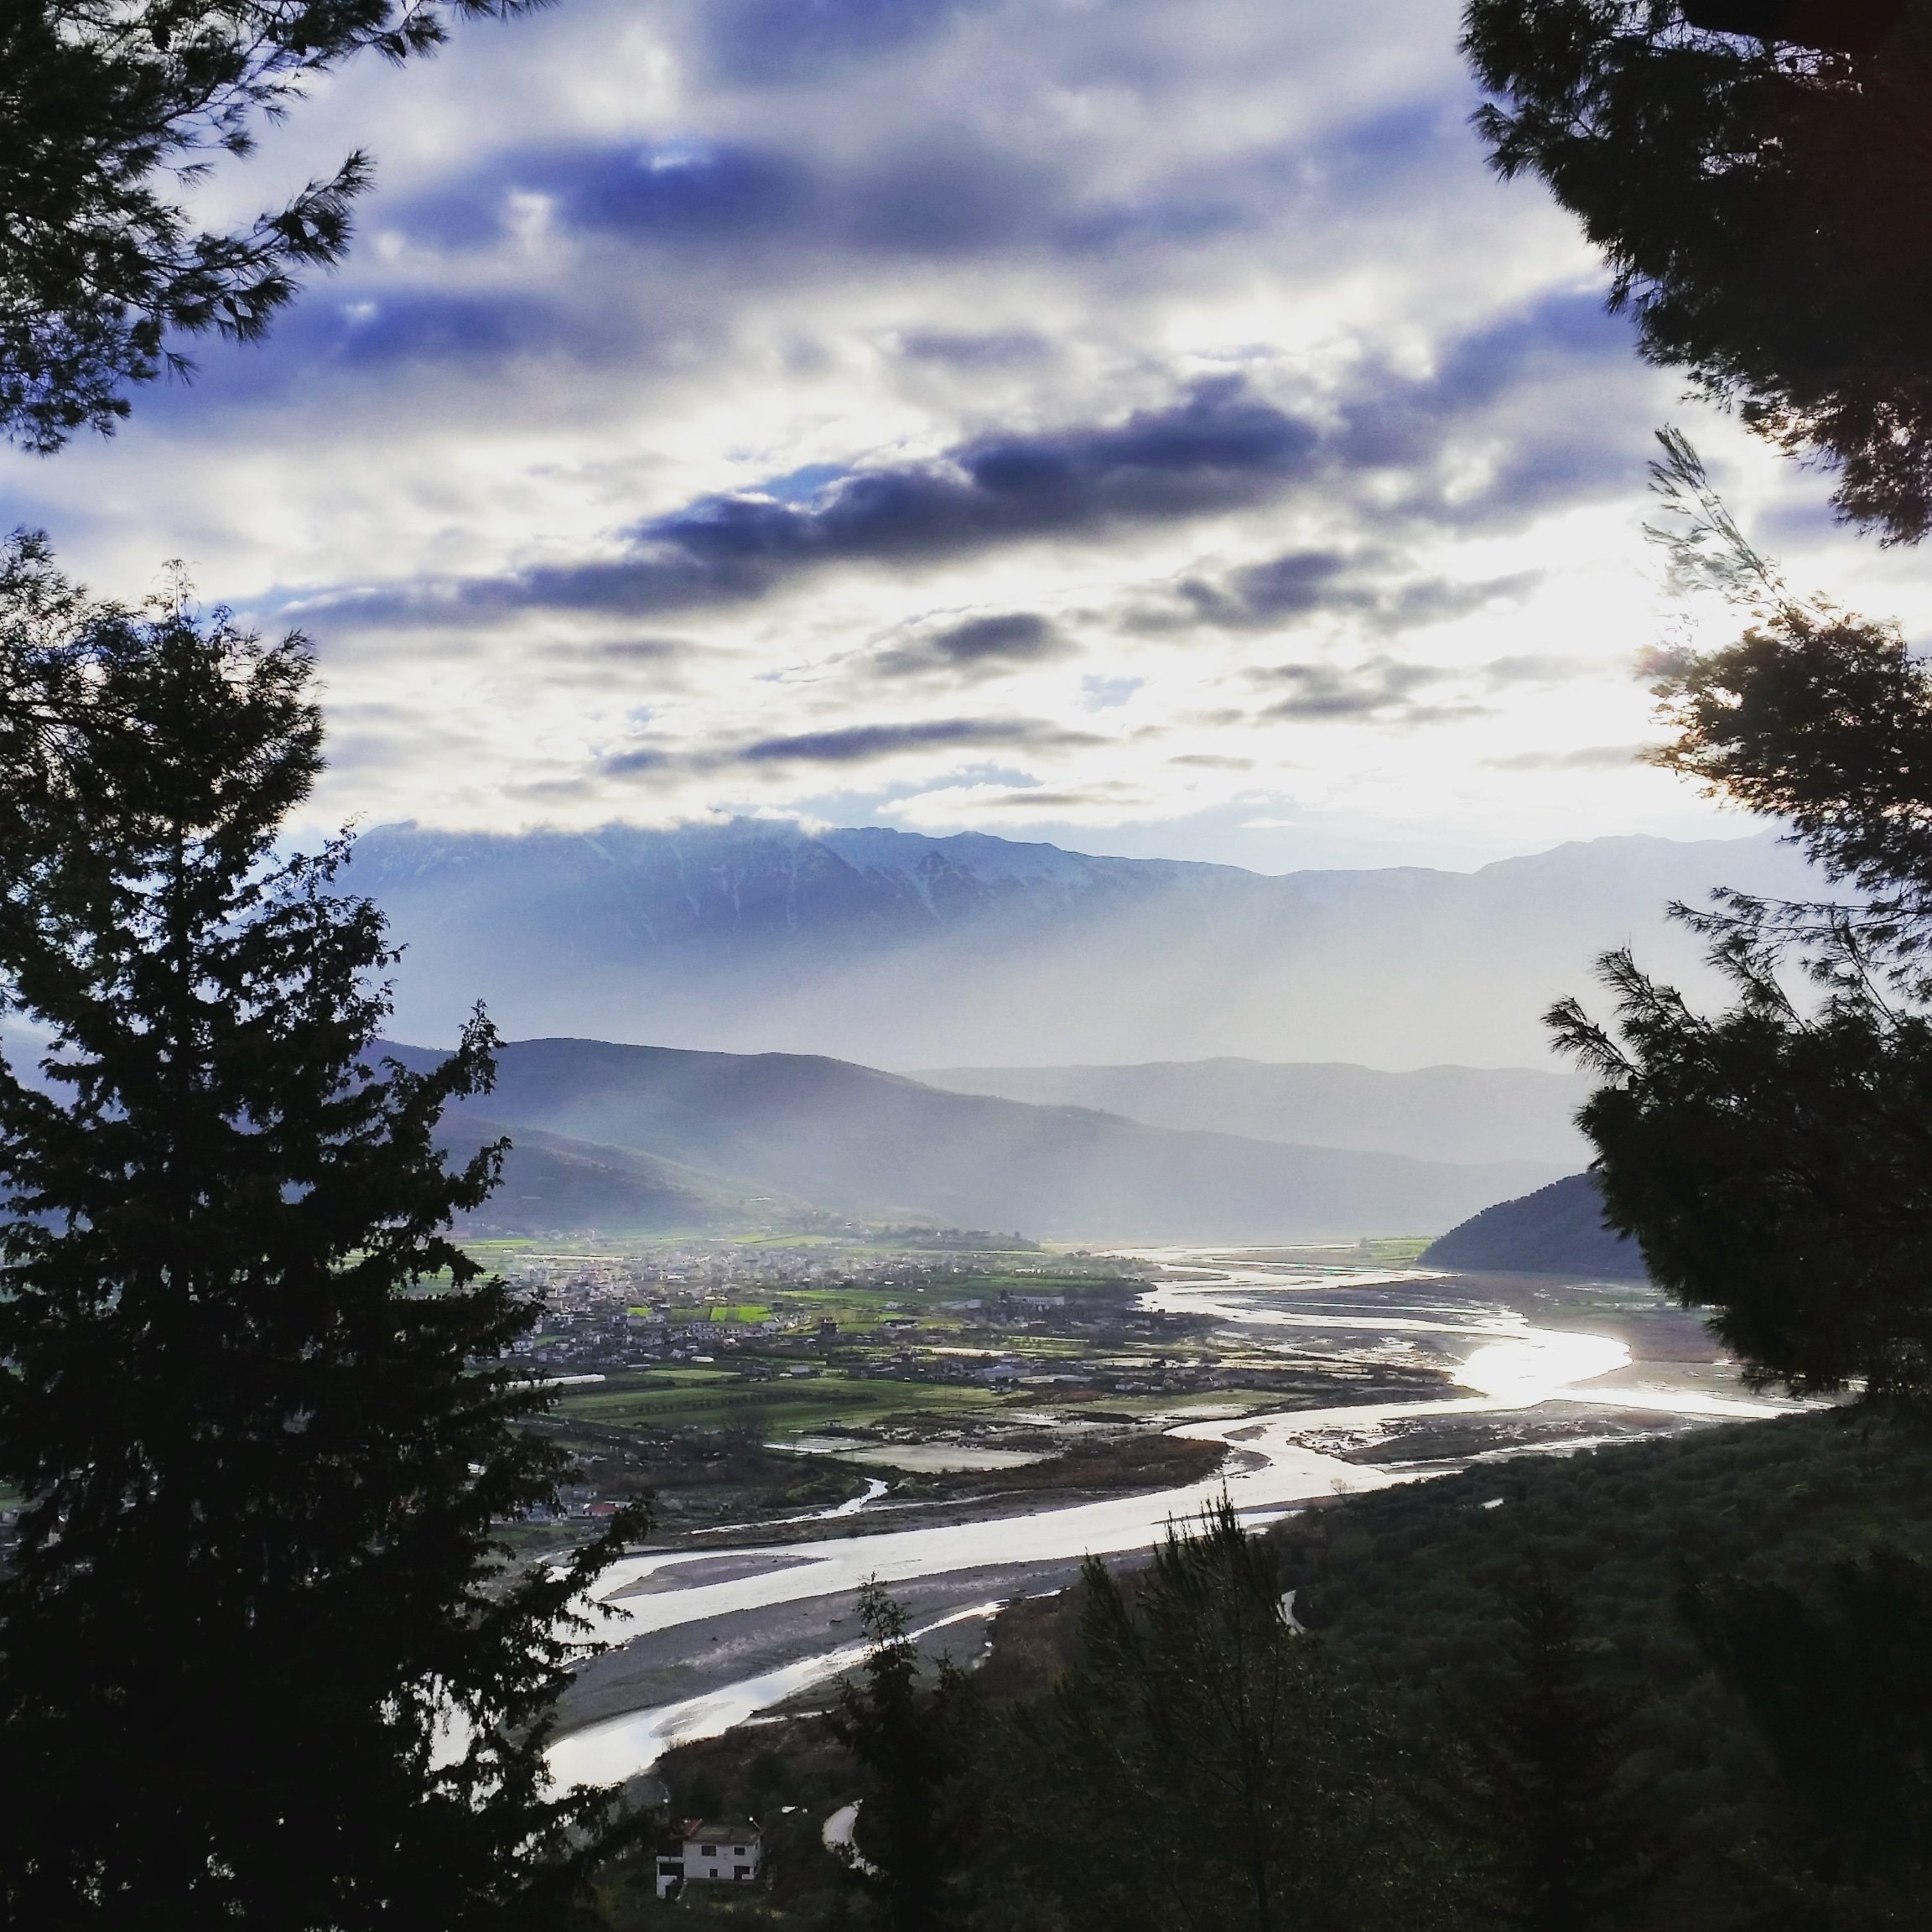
x=729, y=1852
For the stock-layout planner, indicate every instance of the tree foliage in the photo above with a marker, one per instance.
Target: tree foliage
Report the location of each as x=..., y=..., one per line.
x=1774, y=1159
x=1542, y=1751
x=1767, y=210
x=1203, y=1766
x=917, y=1829
x=109, y=112
x=263, y=1658
x=1838, y=1683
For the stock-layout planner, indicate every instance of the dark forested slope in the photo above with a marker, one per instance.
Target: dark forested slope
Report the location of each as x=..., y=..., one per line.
x=1557, y=1230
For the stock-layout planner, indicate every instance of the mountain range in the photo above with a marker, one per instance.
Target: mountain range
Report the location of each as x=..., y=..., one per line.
x=902, y=951
x=615, y=1137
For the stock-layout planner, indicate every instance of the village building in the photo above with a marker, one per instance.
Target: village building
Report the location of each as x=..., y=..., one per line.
x=731, y=1852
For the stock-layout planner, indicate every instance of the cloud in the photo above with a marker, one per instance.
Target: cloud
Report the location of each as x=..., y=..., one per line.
x=1370, y=585
x=940, y=193
x=1539, y=667
x=637, y=650
x=1382, y=690
x=787, y=41
x=1588, y=758
x=997, y=350
x=1296, y=584
x=978, y=646
x=1508, y=375
x=1220, y=448
x=1046, y=801
x=1442, y=600
x=862, y=744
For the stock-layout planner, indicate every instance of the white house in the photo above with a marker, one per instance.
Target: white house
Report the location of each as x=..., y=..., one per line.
x=731, y=1852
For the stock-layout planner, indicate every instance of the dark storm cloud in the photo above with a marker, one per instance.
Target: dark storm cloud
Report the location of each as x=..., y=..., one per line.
x=1322, y=582
x=947, y=193
x=1440, y=600
x=1388, y=457
x=1003, y=349
x=1384, y=690
x=670, y=235
x=1031, y=800
x=977, y=647
x=788, y=40
x=673, y=192
x=1403, y=426
x=858, y=744
x=1021, y=634
x=392, y=338
x=852, y=745
x=1294, y=584
x=952, y=189
x=640, y=649
x=1219, y=448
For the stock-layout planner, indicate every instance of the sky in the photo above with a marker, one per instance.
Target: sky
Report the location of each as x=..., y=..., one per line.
x=1145, y=427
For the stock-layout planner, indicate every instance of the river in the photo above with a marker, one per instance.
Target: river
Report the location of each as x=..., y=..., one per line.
x=1506, y=1362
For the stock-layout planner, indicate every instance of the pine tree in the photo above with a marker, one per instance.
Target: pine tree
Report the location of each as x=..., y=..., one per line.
x=1764, y=206
x=1542, y=1799
x=105, y=113
x=917, y=1816
x=1837, y=1681
x=1771, y=1156
x=1205, y=1766
x=263, y=1660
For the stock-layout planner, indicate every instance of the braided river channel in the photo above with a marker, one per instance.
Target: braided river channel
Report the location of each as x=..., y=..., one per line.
x=1502, y=1362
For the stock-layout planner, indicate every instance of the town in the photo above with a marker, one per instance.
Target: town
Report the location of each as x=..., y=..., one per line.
x=748, y=1385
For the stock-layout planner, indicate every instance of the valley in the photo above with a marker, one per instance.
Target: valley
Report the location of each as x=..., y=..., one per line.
x=968, y=1419
x=750, y=1385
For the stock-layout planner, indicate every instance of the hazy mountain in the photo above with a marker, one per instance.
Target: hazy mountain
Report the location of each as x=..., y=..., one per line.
x=1557, y=1230
x=905, y=951
x=1460, y=1113
x=553, y=1184
x=879, y=1146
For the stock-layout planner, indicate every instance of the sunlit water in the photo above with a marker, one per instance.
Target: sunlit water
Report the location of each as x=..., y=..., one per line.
x=1512, y=1366
x=620, y=1747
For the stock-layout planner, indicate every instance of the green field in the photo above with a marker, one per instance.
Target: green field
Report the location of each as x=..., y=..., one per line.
x=858, y=1308
x=785, y=1405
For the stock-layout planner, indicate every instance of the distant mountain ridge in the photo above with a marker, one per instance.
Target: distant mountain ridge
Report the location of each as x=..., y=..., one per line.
x=891, y=948
x=1557, y=1230
x=1458, y=1114
x=606, y=1127
x=553, y=1184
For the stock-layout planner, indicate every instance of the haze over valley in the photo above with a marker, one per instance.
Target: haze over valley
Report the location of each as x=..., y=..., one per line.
x=820, y=959
x=626, y=1138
